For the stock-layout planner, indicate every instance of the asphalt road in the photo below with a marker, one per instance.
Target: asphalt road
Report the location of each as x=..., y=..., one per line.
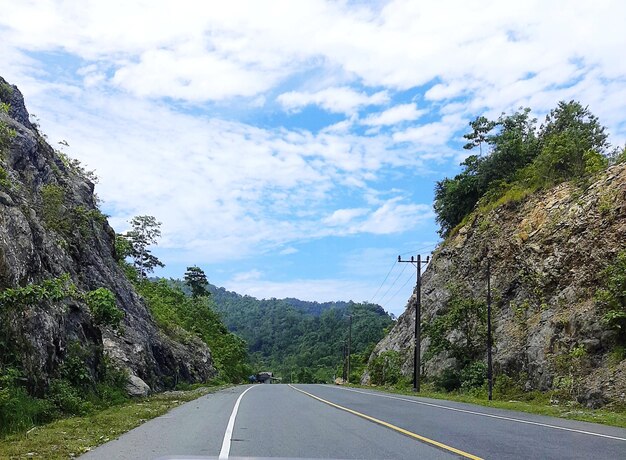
x=321, y=421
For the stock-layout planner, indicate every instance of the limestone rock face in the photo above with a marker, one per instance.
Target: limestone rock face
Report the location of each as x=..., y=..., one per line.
x=547, y=254
x=38, y=243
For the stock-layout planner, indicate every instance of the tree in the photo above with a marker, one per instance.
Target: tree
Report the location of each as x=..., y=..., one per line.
x=196, y=280
x=513, y=146
x=573, y=145
x=572, y=117
x=481, y=126
x=146, y=231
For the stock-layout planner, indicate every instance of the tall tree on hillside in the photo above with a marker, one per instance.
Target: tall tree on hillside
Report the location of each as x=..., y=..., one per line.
x=146, y=231
x=573, y=144
x=481, y=126
x=197, y=281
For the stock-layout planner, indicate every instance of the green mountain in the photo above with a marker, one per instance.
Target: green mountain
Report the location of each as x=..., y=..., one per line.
x=300, y=340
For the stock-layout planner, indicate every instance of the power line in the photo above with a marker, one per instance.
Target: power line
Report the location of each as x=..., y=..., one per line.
x=431, y=246
x=381, y=284
x=393, y=284
x=399, y=290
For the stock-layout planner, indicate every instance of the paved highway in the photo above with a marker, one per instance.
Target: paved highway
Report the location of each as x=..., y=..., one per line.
x=321, y=421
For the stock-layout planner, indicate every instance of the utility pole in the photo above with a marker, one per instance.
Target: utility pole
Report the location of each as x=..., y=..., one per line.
x=349, y=345
x=417, y=351
x=489, y=339
x=343, y=359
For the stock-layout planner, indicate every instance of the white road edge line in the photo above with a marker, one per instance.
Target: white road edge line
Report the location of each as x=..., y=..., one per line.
x=528, y=422
x=229, y=428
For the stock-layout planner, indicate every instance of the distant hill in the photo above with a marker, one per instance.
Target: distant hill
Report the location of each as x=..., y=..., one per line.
x=292, y=336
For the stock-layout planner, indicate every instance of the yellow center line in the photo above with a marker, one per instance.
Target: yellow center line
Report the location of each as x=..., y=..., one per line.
x=393, y=427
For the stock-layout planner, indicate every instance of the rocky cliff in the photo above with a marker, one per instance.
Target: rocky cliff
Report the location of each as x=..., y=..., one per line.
x=548, y=253
x=49, y=226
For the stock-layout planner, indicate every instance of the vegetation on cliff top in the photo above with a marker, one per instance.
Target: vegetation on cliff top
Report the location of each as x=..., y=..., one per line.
x=571, y=144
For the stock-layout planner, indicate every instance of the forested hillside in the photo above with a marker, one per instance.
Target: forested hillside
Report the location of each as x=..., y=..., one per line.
x=302, y=340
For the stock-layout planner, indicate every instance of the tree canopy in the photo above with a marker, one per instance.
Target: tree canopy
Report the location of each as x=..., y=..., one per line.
x=146, y=231
x=196, y=279
x=571, y=144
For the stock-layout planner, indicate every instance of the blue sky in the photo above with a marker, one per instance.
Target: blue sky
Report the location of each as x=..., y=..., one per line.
x=291, y=148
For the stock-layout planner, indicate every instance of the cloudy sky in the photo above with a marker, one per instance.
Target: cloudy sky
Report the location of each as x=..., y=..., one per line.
x=290, y=148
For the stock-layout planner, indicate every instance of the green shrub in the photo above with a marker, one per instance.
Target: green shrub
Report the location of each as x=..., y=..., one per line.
x=594, y=163
x=6, y=133
x=385, y=369
x=504, y=386
x=5, y=181
x=53, y=210
x=50, y=290
x=6, y=91
x=83, y=218
x=570, y=367
x=474, y=375
x=76, y=167
x=111, y=387
x=612, y=297
x=460, y=329
x=448, y=380
x=102, y=304
x=67, y=398
x=18, y=410
x=617, y=355
x=74, y=368
x=123, y=249
x=620, y=157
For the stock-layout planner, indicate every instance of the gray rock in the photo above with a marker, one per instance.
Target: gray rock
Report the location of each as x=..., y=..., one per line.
x=30, y=251
x=547, y=255
x=6, y=199
x=137, y=387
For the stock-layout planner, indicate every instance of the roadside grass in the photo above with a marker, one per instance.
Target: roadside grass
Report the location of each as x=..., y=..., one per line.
x=71, y=437
x=537, y=404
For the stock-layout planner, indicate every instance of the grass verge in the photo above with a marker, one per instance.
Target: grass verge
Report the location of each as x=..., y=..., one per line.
x=71, y=437
x=541, y=407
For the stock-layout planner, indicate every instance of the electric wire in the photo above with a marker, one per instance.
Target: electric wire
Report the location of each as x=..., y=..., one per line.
x=429, y=247
x=381, y=284
x=398, y=291
x=392, y=284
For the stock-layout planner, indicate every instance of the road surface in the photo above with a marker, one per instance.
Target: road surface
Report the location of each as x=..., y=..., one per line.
x=322, y=421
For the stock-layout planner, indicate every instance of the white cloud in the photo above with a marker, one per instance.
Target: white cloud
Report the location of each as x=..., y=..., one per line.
x=244, y=49
x=222, y=189
x=394, y=115
x=344, y=216
x=335, y=100
x=247, y=276
x=394, y=216
x=435, y=133
x=321, y=290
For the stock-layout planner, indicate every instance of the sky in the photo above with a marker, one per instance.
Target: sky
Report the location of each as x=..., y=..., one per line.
x=291, y=148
